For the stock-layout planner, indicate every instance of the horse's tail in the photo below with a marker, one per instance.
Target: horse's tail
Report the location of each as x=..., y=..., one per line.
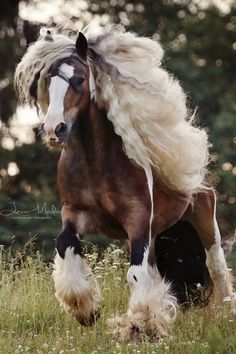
x=181, y=259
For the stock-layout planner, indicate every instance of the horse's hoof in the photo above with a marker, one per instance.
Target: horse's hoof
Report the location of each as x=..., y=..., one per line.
x=134, y=332
x=94, y=316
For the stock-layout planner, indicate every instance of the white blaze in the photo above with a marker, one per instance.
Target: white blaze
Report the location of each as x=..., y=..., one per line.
x=57, y=91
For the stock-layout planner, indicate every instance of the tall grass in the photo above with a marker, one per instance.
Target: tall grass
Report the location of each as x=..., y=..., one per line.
x=31, y=320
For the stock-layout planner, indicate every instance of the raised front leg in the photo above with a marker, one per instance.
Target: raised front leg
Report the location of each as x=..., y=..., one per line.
x=74, y=285
x=203, y=217
x=152, y=307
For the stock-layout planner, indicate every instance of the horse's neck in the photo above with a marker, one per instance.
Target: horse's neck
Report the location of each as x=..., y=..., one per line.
x=94, y=133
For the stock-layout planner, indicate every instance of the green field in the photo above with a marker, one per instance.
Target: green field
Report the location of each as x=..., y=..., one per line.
x=32, y=321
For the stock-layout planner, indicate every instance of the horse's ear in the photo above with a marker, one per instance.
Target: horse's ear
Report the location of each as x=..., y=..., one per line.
x=82, y=46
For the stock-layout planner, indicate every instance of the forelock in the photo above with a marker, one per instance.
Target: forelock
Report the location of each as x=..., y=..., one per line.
x=35, y=64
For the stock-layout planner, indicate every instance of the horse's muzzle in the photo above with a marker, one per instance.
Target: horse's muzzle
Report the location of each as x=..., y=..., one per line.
x=55, y=142
x=57, y=138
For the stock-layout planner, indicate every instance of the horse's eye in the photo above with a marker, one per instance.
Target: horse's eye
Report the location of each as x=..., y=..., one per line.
x=76, y=81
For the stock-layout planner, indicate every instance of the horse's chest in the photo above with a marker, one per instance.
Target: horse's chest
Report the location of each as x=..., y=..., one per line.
x=81, y=186
x=92, y=199
x=73, y=180
x=107, y=190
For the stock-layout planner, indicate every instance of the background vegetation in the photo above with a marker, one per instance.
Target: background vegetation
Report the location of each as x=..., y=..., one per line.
x=199, y=38
x=31, y=320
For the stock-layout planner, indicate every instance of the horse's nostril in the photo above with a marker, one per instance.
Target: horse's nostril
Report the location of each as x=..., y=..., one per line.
x=42, y=127
x=60, y=129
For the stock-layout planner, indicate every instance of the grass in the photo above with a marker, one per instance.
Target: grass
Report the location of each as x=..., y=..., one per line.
x=31, y=320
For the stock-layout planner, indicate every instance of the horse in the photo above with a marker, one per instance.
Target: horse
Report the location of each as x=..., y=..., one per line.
x=133, y=166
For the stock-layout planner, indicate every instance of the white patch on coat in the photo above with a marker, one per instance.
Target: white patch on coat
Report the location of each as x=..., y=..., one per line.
x=57, y=91
x=216, y=264
x=74, y=287
x=149, y=175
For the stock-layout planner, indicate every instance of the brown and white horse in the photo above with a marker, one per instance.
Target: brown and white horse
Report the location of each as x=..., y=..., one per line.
x=113, y=177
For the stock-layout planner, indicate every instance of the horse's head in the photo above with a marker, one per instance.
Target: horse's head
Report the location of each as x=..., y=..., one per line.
x=67, y=91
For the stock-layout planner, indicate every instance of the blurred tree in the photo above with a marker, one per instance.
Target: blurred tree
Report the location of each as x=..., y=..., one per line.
x=27, y=171
x=9, y=48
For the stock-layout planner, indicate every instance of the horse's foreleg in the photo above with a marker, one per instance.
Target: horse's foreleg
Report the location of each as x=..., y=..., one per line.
x=74, y=285
x=152, y=307
x=203, y=218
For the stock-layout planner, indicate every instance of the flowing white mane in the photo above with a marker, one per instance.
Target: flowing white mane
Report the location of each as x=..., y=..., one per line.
x=146, y=105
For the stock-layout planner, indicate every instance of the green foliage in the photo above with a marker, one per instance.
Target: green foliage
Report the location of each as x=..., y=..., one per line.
x=29, y=202
x=31, y=320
